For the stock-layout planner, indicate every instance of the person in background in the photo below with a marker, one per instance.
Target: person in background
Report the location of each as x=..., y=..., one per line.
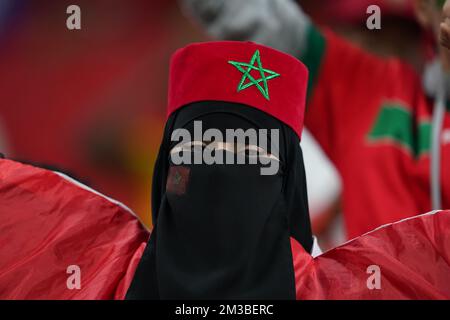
x=398, y=37
x=381, y=122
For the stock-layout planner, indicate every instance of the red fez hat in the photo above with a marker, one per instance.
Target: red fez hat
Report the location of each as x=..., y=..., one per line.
x=240, y=72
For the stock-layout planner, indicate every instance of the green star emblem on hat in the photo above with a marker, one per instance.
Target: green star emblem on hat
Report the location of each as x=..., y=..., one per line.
x=246, y=68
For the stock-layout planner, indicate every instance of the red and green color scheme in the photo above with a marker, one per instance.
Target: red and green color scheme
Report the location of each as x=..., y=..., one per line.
x=267, y=82
x=252, y=81
x=373, y=119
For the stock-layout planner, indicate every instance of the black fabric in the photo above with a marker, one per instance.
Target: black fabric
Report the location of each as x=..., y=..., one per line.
x=226, y=234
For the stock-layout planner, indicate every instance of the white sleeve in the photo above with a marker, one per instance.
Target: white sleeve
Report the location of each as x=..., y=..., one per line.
x=280, y=24
x=322, y=178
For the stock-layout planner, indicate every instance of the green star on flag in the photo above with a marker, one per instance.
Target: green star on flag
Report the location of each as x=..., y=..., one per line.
x=246, y=68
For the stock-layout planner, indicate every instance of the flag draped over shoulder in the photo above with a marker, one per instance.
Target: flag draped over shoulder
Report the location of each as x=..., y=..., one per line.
x=409, y=259
x=51, y=225
x=54, y=229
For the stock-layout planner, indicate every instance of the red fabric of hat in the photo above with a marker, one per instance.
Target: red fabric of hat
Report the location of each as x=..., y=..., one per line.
x=240, y=72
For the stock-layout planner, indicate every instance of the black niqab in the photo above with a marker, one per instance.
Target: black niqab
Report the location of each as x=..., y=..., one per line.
x=223, y=231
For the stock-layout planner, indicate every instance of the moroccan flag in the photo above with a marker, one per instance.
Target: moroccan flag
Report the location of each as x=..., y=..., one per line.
x=61, y=240
x=409, y=259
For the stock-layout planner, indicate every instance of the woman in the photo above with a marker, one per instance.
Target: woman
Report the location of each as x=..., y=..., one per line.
x=222, y=231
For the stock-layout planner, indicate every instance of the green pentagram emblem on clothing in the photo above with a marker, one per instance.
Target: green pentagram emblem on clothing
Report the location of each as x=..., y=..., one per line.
x=246, y=68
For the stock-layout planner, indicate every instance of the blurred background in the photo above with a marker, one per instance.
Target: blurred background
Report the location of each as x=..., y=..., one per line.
x=91, y=102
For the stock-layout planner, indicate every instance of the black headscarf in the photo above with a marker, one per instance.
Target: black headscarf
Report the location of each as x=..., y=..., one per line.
x=223, y=231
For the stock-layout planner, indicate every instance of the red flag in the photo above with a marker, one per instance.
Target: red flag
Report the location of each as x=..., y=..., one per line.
x=61, y=240
x=409, y=259
x=54, y=229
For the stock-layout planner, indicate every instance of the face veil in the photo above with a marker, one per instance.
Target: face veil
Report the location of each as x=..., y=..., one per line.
x=223, y=231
